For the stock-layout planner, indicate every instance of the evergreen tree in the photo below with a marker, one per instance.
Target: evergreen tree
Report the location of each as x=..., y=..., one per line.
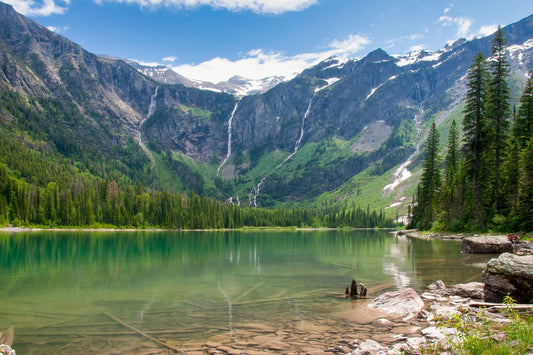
x=449, y=193
x=525, y=194
x=498, y=109
x=474, y=127
x=430, y=182
x=523, y=124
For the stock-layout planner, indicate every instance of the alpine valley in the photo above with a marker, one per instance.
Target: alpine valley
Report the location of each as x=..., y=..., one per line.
x=345, y=132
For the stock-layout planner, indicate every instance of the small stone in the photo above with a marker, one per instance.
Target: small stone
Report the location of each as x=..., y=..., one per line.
x=423, y=314
x=416, y=342
x=6, y=350
x=437, y=285
x=383, y=322
x=369, y=347
x=401, y=348
x=435, y=333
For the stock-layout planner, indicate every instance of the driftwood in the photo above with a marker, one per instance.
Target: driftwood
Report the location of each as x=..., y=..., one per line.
x=236, y=300
x=516, y=306
x=159, y=342
x=192, y=304
x=90, y=334
x=7, y=336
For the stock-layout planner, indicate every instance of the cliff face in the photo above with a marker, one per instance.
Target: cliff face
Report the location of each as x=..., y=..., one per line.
x=304, y=137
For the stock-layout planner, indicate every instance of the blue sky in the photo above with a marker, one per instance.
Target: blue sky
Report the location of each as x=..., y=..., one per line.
x=215, y=39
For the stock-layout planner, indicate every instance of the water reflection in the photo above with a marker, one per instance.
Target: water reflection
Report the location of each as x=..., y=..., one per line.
x=206, y=283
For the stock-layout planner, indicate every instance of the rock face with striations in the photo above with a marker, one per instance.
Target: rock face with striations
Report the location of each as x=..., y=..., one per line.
x=486, y=245
x=509, y=274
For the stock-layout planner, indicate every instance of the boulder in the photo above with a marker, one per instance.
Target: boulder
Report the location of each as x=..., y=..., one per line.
x=368, y=347
x=509, y=274
x=487, y=245
x=471, y=290
x=404, y=304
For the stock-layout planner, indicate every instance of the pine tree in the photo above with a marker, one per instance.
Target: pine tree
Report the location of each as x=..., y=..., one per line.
x=449, y=193
x=498, y=109
x=523, y=124
x=474, y=126
x=430, y=182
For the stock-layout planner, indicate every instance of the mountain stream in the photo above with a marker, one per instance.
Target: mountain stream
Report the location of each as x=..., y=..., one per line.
x=228, y=154
x=139, y=138
x=252, y=196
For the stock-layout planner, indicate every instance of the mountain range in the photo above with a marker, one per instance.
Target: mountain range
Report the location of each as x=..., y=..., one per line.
x=342, y=131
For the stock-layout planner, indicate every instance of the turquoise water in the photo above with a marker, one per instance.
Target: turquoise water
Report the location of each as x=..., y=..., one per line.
x=76, y=292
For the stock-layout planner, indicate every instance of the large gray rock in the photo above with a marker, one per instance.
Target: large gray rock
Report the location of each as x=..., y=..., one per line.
x=509, y=274
x=486, y=245
x=368, y=347
x=403, y=304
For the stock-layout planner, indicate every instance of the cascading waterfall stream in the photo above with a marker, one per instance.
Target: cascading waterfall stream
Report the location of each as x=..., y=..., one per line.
x=299, y=140
x=402, y=173
x=228, y=154
x=151, y=110
x=252, y=196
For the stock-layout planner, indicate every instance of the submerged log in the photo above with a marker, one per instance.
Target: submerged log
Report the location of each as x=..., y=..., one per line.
x=159, y=342
x=7, y=336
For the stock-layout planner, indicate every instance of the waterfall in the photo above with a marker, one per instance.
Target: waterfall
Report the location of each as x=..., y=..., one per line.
x=299, y=140
x=254, y=192
x=151, y=110
x=228, y=154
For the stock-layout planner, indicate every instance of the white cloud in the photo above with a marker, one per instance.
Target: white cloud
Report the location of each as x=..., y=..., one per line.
x=352, y=44
x=58, y=29
x=170, y=59
x=410, y=37
x=257, y=6
x=37, y=8
x=258, y=63
x=463, y=24
x=487, y=30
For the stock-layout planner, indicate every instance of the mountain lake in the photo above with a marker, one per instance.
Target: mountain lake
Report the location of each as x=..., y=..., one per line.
x=96, y=292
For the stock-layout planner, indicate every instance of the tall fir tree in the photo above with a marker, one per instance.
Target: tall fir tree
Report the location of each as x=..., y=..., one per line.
x=474, y=144
x=450, y=189
x=430, y=182
x=498, y=110
x=523, y=124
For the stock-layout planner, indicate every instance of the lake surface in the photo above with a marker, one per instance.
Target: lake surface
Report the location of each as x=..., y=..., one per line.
x=77, y=292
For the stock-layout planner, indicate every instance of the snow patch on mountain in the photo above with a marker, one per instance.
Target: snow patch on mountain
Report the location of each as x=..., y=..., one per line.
x=330, y=81
x=416, y=57
x=380, y=85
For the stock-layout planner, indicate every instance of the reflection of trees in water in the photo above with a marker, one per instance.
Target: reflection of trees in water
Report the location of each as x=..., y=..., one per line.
x=208, y=283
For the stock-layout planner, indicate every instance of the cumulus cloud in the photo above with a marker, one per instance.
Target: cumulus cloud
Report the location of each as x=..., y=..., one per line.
x=257, y=6
x=463, y=24
x=38, y=8
x=258, y=63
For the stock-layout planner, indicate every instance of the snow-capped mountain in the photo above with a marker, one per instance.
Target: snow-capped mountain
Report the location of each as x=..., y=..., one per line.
x=237, y=85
